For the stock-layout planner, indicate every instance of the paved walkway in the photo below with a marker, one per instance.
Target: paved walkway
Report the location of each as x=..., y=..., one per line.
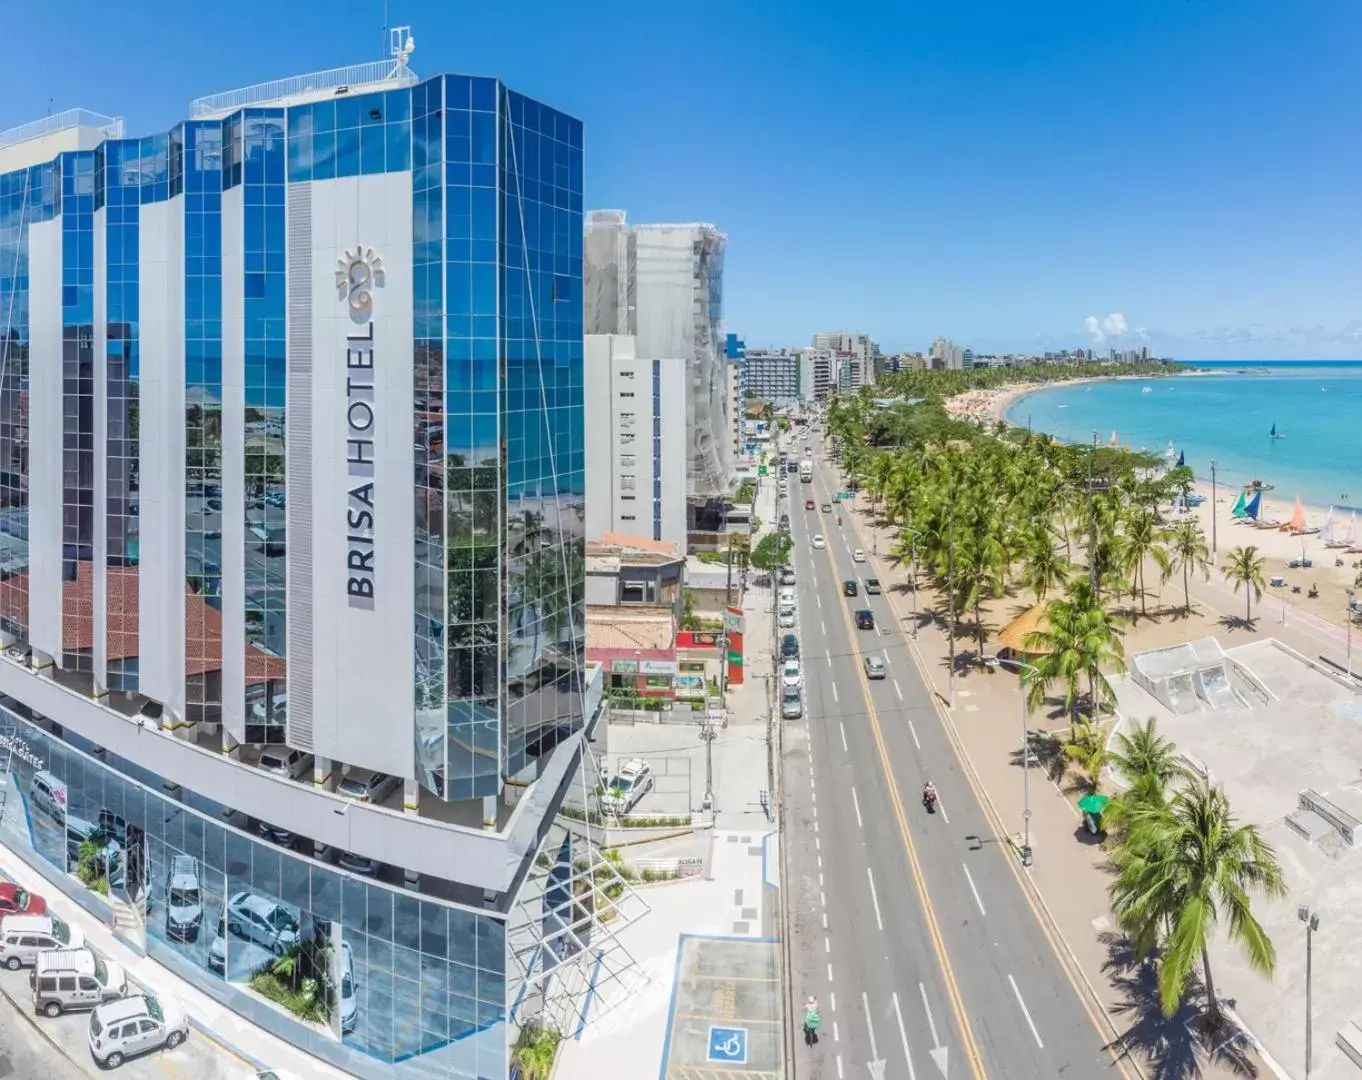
x=1067, y=874
x=256, y=1047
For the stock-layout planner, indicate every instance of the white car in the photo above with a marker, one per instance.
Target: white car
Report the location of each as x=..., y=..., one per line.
x=134, y=1025
x=787, y=596
x=184, y=899
x=349, y=1002
x=262, y=920
x=633, y=780
x=858, y=555
x=365, y=786
x=818, y=542
x=792, y=675
x=787, y=619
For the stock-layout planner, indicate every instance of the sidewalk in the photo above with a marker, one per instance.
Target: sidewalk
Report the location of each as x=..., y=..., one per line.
x=256, y=1048
x=1067, y=878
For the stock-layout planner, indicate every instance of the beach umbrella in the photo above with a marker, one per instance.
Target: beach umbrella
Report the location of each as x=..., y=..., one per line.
x=1093, y=804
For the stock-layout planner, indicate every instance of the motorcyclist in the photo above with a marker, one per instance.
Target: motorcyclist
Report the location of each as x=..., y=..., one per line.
x=811, y=1020
x=928, y=793
x=839, y=519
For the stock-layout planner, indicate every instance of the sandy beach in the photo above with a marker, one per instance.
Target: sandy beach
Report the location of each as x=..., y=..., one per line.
x=1334, y=572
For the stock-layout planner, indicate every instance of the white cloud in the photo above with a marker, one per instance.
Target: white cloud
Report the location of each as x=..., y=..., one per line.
x=1099, y=329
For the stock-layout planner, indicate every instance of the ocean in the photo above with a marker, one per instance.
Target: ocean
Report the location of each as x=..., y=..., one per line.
x=1317, y=406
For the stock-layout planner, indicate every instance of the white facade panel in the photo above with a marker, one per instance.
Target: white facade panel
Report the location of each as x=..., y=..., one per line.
x=45, y=368
x=100, y=429
x=161, y=578
x=675, y=441
x=233, y=465
x=363, y=491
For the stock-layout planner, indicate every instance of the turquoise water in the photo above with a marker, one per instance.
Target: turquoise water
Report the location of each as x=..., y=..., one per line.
x=1318, y=407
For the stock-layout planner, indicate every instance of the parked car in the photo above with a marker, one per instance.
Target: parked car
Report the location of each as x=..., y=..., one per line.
x=787, y=575
x=865, y=619
x=789, y=647
x=275, y=834
x=872, y=586
x=792, y=675
x=849, y=587
x=48, y=794
x=217, y=948
x=791, y=705
x=135, y=1025
x=787, y=619
x=262, y=920
x=787, y=595
x=23, y=937
x=631, y=782
x=358, y=864
x=349, y=1000
x=184, y=898
x=874, y=666
x=15, y=900
x=858, y=555
x=365, y=786
x=285, y=761
x=818, y=542
x=784, y=519
x=66, y=979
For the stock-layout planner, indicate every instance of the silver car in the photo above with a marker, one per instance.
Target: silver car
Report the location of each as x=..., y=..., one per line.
x=791, y=705
x=874, y=666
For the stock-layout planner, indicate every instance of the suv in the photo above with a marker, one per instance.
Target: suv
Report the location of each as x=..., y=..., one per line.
x=184, y=899
x=791, y=704
x=872, y=586
x=849, y=587
x=789, y=647
x=365, y=786
x=874, y=666
x=65, y=979
x=122, y=1029
x=631, y=782
x=23, y=937
x=262, y=920
x=285, y=761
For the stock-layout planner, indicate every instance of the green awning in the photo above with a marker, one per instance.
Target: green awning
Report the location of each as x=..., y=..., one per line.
x=1093, y=804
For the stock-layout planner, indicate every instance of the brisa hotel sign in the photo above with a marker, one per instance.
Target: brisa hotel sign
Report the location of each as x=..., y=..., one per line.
x=359, y=271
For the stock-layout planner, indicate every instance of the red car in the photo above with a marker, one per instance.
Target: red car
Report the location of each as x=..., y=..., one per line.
x=17, y=901
x=808, y=504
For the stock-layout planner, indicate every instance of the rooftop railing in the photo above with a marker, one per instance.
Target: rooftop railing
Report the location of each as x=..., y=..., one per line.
x=375, y=71
x=112, y=126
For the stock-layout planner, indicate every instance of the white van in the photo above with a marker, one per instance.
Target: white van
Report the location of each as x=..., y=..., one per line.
x=48, y=794
x=23, y=937
x=66, y=979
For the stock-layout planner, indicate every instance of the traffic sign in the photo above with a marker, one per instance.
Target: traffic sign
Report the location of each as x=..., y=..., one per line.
x=728, y=1045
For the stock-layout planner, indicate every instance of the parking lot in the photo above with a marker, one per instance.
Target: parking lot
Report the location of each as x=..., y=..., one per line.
x=198, y=1058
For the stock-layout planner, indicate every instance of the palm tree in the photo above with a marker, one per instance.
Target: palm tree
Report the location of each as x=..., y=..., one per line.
x=1245, y=567
x=1144, y=540
x=1188, y=552
x=1044, y=569
x=1087, y=747
x=1078, y=637
x=1144, y=752
x=1184, y=868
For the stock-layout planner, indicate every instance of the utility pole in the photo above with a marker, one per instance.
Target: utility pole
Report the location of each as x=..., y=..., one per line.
x=1348, y=626
x=1213, y=544
x=708, y=734
x=950, y=594
x=1311, y=920
x=1092, y=521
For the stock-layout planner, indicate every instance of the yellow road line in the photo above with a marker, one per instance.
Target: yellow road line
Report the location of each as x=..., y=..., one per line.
x=938, y=943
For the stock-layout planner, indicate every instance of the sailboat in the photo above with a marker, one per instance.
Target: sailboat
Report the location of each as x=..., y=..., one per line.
x=1112, y=440
x=1297, y=525
x=1240, y=509
x=1326, y=530
x=1274, y=434
x=1182, y=459
x=1348, y=538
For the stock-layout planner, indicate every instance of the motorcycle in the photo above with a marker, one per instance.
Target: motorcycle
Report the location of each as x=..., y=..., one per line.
x=929, y=801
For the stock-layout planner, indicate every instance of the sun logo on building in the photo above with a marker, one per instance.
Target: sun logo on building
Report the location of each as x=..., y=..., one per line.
x=358, y=272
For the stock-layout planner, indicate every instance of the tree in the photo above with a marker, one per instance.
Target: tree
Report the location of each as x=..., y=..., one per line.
x=1245, y=567
x=1087, y=748
x=1144, y=752
x=1078, y=638
x=1184, y=868
x=772, y=551
x=1188, y=552
x=1044, y=569
x=1144, y=540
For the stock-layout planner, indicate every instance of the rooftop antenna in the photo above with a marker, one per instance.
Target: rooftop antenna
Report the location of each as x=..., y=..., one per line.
x=384, y=44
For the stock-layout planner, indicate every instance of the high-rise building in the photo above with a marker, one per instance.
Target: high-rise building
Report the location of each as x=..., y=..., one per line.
x=735, y=353
x=862, y=346
x=635, y=443
x=819, y=366
x=663, y=284
x=291, y=415
x=773, y=376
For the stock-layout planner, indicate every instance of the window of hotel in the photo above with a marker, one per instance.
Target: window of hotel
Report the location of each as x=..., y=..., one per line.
x=626, y=483
x=627, y=461
x=626, y=439
x=638, y=592
x=626, y=419
x=626, y=374
x=626, y=393
x=626, y=517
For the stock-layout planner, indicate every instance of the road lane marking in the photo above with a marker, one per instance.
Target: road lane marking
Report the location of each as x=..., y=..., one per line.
x=822, y=897
x=874, y=898
x=822, y=625
x=825, y=920
x=975, y=891
x=870, y=1026
x=827, y=945
x=844, y=736
x=834, y=691
x=836, y=1035
x=1026, y=1012
x=857, y=804
x=886, y=664
x=940, y=806
x=829, y=973
x=819, y=598
x=832, y=1000
x=931, y=1024
x=840, y=1074
x=913, y=731
x=903, y=1037
x=897, y=690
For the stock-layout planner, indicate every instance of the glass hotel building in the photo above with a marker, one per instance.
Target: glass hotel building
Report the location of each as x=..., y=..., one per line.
x=291, y=453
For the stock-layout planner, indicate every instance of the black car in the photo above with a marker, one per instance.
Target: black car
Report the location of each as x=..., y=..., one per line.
x=872, y=586
x=865, y=619
x=827, y=508
x=849, y=587
x=789, y=647
x=785, y=521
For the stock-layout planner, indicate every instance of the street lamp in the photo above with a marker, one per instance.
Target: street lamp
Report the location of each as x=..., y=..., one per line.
x=1311, y=920
x=1213, y=547
x=1026, y=754
x=1348, y=626
x=913, y=546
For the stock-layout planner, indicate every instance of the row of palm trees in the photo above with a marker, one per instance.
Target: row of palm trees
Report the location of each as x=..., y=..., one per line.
x=985, y=513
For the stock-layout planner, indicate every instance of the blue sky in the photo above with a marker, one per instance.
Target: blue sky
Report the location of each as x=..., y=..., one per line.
x=996, y=172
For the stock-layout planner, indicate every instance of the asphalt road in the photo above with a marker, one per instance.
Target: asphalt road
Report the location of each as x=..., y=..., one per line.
x=911, y=929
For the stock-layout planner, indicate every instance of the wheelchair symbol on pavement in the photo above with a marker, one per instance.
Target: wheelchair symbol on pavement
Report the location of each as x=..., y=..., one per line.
x=728, y=1045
